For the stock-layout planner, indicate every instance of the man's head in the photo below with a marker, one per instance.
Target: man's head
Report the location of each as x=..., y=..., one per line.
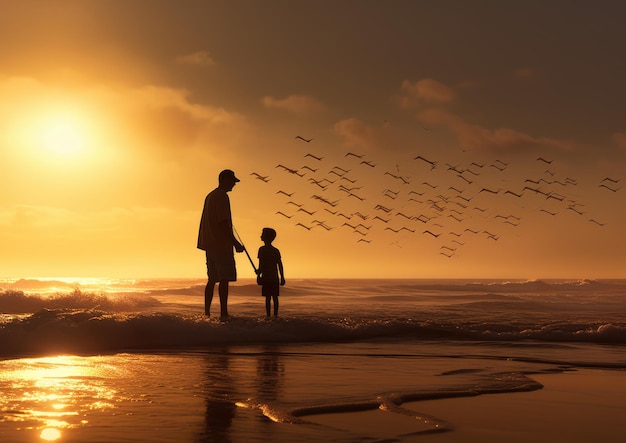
x=227, y=179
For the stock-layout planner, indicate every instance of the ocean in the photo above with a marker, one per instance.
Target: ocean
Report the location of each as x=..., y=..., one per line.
x=347, y=360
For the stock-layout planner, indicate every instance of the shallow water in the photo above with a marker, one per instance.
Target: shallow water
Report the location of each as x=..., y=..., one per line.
x=347, y=361
x=263, y=393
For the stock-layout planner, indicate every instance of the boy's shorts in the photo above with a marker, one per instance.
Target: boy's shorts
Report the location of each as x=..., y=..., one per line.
x=221, y=266
x=270, y=289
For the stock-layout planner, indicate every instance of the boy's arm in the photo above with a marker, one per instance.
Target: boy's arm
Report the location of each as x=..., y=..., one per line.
x=281, y=271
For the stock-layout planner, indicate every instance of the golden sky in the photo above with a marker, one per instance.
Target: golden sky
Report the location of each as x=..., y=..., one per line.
x=446, y=139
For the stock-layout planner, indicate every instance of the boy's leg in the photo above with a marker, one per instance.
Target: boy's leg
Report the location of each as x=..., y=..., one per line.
x=275, y=297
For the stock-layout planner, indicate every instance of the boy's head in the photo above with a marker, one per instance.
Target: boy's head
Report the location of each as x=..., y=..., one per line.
x=268, y=235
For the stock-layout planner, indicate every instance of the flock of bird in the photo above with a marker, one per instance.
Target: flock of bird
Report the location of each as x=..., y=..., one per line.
x=449, y=203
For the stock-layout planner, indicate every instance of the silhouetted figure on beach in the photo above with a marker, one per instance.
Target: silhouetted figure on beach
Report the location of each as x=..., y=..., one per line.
x=217, y=239
x=271, y=274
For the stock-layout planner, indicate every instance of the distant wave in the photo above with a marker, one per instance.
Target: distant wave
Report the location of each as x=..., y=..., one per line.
x=93, y=331
x=167, y=314
x=14, y=302
x=526, y=286
x=324, y=285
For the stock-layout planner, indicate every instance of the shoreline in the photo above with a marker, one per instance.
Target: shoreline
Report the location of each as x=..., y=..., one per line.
x=583, y=405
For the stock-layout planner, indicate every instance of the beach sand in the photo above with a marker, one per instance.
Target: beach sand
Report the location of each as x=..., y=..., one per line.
x=587, y=405
x=320, y=396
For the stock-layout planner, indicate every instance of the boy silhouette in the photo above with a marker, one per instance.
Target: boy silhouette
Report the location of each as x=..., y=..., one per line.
x=271, y=274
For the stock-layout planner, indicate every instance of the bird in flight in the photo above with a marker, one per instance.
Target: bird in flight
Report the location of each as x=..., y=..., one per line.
x=602, y=185
x=261, y=177
x=398, y=177
x=491, y=236
x=289, y=170
x=541, y=159
x=344, y=171
x=354, y=155
x=499, y=168
x=355, y=196
x=318, y=183
x=490, y=190
x=548, y=212
x=513, y=193
x=313, y=156
x=612, y=180
x=304, y=210
x=431, y=163
x=572, y=208
x=298, y=137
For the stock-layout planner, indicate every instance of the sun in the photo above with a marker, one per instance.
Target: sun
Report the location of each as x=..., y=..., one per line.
x=63, y=135
x=58, y=132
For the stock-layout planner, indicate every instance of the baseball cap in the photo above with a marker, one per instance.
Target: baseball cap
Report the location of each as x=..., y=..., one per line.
x=226, y=174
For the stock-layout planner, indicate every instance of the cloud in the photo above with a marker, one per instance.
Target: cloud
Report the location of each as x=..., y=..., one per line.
x=525, y=72
x=55, y=239
x=357, y=133
x=137, y=123
x=156, y=97
x=200, y=58
x=38, y=217
x=61, y=222
x=166, y=120
x=426, y=91
x=620, y=139
x=481, y=138
x=299, y=104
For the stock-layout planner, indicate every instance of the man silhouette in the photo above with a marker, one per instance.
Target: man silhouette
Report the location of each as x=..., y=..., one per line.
x=216, y=238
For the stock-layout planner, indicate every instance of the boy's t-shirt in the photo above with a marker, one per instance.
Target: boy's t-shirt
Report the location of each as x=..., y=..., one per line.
x=269, y=257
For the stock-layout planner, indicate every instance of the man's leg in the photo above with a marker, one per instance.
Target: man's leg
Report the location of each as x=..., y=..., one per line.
x=210, y=286
x=208, y=296
x=223, y=291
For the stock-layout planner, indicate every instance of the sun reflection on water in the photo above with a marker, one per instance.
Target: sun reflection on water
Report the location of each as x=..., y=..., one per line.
x=50, y=434
x=51, y=394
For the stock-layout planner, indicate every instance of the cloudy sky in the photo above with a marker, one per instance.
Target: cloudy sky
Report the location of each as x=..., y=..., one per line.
x=445, y=139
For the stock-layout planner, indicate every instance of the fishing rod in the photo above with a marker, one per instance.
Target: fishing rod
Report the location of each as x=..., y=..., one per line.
x=245, y=250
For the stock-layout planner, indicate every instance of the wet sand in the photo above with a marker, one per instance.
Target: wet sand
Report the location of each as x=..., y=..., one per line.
x=586, y=405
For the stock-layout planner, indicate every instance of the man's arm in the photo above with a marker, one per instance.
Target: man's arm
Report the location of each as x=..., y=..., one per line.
x=227, y=231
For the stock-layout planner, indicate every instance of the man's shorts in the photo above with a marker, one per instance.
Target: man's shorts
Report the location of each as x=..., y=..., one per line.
x=221, y=266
